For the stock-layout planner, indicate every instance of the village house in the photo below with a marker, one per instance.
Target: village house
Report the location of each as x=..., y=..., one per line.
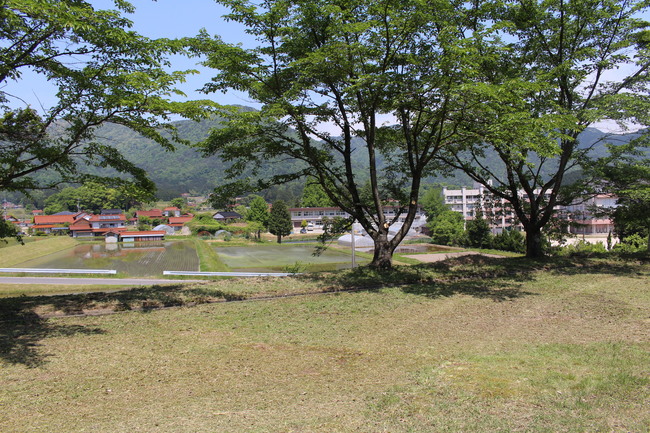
x=177, y=223
x=58, y=223
x=171, y=211
x=152, y=214
x=227, y=216
x=313, y=216
x=98, y=225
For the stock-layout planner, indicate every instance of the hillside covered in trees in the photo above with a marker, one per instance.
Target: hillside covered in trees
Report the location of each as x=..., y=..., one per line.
x=187, y=170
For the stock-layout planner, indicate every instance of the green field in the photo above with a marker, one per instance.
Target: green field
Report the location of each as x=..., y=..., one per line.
x=12, y=253
x=468, y=345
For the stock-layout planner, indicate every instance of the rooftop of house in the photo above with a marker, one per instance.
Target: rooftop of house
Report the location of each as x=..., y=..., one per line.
x=180, y=219
x=107, y=218
x=149, y=213
x=227, y=214
x=53, y=219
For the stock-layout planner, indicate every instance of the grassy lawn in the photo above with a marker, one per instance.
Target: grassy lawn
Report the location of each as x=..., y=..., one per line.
x=466, y=345
x=208, y=258
x=34, y=248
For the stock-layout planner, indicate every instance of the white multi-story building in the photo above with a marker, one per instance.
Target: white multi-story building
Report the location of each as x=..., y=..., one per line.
x=314, y=215
x=466, y=201
x=586, y=218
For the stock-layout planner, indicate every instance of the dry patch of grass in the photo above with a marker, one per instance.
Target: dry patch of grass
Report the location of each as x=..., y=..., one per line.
x=459, y=346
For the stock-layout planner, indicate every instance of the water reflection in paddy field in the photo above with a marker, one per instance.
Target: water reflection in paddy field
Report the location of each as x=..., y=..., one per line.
x=278, y=257
x=138, y=259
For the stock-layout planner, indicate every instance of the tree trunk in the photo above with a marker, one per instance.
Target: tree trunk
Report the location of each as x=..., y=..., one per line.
x=383, y=257
x=279, y=239
x=534, y=242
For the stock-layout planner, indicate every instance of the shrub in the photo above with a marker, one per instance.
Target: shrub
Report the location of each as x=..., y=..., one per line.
x=582, y=248
x=510, y=240
x=447, y=229
x=631, y=244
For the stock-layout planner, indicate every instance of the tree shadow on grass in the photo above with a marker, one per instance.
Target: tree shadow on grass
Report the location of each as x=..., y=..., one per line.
x=22, y=330
x=499, y=279
x=472, y=275
x=24, y=320
x=632, y=265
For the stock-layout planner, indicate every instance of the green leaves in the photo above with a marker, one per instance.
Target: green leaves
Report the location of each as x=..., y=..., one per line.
x=279, y=222
x=103, y=73
x=553, y=68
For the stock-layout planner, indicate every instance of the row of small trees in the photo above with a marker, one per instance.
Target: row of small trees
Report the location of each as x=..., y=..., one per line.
x=450, y=228
x=259, y=218
x=277, y=221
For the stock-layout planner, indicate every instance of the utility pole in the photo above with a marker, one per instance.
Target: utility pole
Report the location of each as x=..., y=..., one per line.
x=353, y=246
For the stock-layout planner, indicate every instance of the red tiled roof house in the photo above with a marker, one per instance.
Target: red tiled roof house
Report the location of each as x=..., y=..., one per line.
x=172, y=211
x=177, y=223
x=98, y=225
x=53, y=223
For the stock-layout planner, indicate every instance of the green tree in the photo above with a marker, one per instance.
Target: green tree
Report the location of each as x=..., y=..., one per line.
x=280, y=220
x=509, y=240
x=433, y=203
x=352, y=64
x=258, y=212
x=8, y=230
x=144, y=223
x=242, y=210
x=447, y=228
x=313, y=195
x=478, y=231
x=102, y=71
x=178, y=202
x=562, y=65
x=626, y=174
x=94, y=197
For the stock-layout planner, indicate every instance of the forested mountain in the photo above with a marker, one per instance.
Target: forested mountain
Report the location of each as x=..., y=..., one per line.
x=186, y=170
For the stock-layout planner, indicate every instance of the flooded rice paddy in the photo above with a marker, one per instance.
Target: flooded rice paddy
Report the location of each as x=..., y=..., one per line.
x=143, y=259
x=139, y=259
x=279, y=257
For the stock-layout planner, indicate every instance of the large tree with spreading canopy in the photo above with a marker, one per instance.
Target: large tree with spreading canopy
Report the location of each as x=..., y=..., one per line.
x=384, y=77
x=101, y=72
x=558, y=67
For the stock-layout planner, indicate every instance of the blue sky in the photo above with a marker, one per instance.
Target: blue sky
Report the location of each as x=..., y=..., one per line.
x=157, y=19
x=181, y=18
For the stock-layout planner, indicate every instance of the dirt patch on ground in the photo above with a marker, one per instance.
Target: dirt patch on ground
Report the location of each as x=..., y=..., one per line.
x=437, y=257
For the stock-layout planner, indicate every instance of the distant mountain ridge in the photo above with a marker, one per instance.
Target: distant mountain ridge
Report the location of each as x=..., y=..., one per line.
x=187, y=170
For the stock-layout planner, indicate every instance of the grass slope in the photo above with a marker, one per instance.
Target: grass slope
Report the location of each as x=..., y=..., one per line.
x=208, y=258
x=471, y=344
x=13, y=255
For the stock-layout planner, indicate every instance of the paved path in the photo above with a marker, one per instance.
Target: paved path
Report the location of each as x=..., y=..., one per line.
x=437, y=257
x=92, y=281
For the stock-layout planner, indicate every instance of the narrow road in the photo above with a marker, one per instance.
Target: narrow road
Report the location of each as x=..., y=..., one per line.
x=92, y=281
